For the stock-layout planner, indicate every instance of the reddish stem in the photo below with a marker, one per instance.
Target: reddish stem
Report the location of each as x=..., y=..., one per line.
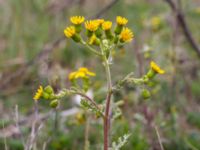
x=107, y=121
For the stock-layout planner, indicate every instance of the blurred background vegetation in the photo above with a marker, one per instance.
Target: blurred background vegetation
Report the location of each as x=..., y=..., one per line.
x=34, y=51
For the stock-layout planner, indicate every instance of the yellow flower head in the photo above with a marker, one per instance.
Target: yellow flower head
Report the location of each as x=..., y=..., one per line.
x=107, y=25
x=126, y=35
x=156, y=68
x=155, y=22
x=92, y=39
x=81, y=73
x=77, y=20
x=86, y=71
x=121, y=20
x=92, y=25
x=70, y=31
x=100, y=21
x=39, y=93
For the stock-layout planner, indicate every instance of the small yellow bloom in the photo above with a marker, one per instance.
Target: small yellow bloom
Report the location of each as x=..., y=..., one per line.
x=72, y=75
x=126, y=35
x=39, y=93
x=77, y=20
x=107, y=25
x=155, y=22
x=121, y=20
x=100, y=21
x=81, y=73
x=92, y=39
x=92, y=25
x=70, y=31
x=86, y=71
x=156, y=68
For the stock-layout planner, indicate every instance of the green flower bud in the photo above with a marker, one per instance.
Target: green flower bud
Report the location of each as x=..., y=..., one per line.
x=145, y=94
x=118, y=29
x=76, y=38
x=151, y=74
x=45, y=95
x=109, y=34
x=89, y=33
x=54, y=103
x=78, y=28
x=48, y=89
x=98, y=32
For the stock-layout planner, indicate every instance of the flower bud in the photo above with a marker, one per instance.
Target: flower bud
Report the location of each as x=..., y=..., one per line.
x=89, y=33
x=54, y=103
x=118, y=29
x=151, y=74
x=76, y=38
x=109, y=34
x=78, y=28
x=48, y=89
x=45, y=95
x=98, y=32
x=145, y=94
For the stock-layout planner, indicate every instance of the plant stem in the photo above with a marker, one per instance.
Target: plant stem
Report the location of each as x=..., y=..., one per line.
x=107, y=109
x=90, y=48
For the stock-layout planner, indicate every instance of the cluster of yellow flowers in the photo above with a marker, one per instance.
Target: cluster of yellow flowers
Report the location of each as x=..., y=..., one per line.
x=95, y=28
x=39, y=93
x=81, y=73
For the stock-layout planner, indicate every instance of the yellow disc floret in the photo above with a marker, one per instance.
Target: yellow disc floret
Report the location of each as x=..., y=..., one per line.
x=121, y=20
x=126, y=35
x=156, y=68
x=107, y=25
x=77, y=20
x=39, y=93
x=92, y=25
x=70, y=31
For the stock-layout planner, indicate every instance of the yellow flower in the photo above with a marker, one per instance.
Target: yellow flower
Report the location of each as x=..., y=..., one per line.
x=155, y=22
x=86, y=71
x=81, y=73
x=72, y=75
x=92, y=25
x=126, y=35
x=92, y=39
x=156, y=68
x=100, y=21
x=39, y=93
x=107, y=25
x=77, y=20
x=121, y=20
x=70, y=31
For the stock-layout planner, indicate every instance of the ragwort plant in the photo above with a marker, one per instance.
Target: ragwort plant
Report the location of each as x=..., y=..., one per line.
x=101, y=41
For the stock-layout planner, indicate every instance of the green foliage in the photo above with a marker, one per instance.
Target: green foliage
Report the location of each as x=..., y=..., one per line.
x=120, y=142
x=194, y=119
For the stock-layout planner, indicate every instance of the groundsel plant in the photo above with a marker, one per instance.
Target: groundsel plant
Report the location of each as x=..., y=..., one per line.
x=101, y=40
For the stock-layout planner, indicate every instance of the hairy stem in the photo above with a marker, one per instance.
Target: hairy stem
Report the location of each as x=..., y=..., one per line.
x=107, y=109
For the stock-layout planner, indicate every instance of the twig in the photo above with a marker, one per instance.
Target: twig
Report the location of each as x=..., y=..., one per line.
x=5, y=140
x=182, y=23
x=89, y=99
x=17, y=125
x=159, y=139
